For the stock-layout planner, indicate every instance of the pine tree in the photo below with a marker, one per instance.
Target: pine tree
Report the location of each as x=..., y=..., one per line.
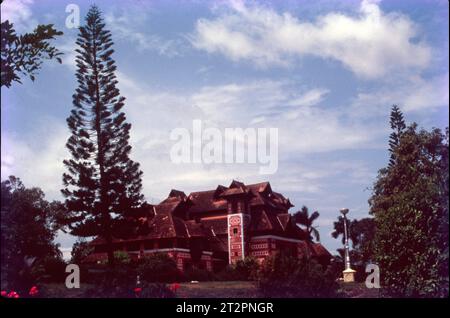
x=398, y=126
x=102, y=186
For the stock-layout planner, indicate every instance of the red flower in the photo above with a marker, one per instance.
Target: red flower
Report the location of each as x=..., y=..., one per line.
x=13, y=294
x=173, y=287
x=137, y=290
x=4, y=293
x=33, y=291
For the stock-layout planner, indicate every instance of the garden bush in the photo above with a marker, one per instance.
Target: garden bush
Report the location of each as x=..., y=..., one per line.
x=241, y=271
x=159, y=268
x=199, y=274
x=289, y=277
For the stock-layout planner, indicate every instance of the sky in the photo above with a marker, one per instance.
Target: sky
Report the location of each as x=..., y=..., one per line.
x=325, y=73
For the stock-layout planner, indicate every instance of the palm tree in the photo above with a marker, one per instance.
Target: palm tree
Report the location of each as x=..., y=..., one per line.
x=302, y=217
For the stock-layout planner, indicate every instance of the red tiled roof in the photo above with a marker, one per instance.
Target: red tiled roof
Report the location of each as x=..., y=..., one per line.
x=204, y=201
x=319, y=250
x=218, y=225
x=164, y=224
x=261, y=222
x=284, y=219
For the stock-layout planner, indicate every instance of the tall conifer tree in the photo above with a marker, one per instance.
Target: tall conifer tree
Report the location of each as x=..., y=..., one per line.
x=102, y=185
x=398, y=126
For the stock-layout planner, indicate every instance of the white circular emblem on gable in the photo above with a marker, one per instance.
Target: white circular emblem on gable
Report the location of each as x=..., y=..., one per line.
x=235, y=220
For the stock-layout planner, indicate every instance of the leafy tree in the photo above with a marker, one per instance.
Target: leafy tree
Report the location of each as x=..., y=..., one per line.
x=28, y=227
x=302, y=217
x=80, y=250
x=410, y=206
x=102, y=185
x=287, y=276
x=361, y=233
x=159, y=268
x=24, y=54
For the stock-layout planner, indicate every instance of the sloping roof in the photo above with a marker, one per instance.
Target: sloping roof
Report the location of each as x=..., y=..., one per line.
x=319, y=250
x=164, y=224
x=284, y=219
x=218, y=225
x=213, y=200
x=261, y=222
x=204, y=201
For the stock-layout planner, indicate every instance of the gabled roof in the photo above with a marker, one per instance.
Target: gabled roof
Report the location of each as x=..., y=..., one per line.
x=215, y=200
x=204, y=201
x=284, y=220
x=164, y=224
x=319, y=250
x=218, y=225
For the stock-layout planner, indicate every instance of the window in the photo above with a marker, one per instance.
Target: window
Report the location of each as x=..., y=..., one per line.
x=235, y=231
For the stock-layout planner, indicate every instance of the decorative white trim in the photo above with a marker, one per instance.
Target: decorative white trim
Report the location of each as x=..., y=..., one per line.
x=175, y=249
x=242, y=234
x=241, y=216
x=279, y=238
x=229, y=239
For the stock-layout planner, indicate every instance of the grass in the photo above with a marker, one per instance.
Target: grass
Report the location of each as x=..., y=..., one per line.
x=229, y=289
x=59, y=290
x=214, y=289
x=358, y=290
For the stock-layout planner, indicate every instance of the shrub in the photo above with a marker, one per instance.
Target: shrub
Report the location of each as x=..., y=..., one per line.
x=114, y=282
x=121, y=257
x=227, y=274
x=49, y=269
x=195, y=273
x=159, y=268
x=287, y=276
x=246, y=269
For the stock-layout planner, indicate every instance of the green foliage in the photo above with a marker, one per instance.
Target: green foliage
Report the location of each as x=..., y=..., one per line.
x=159, y=268
x=102, y=185
x=50, y=269
x=28, y=227
x=398, y=125
x=80, y=250
x=198, y=274
x=288, y=277
x=243, y=270
x=302, y=217
x=246, y=269
x=361, y=233
x=122, y=257
x=410, y=205
x=24, y=54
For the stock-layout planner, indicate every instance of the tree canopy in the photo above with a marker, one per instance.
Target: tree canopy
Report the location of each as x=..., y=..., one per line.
x=410, y=206
x=24, y=54
x=29, y=224
x=302, y=217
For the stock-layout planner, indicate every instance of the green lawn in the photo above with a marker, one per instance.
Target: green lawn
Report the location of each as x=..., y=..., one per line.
x=229, y=289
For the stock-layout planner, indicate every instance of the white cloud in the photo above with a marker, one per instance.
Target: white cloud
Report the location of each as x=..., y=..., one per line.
x=370, y=43
x=412, y=94
x=19, y=13
x=37, y=166
x=127, y=26
x=305, y=127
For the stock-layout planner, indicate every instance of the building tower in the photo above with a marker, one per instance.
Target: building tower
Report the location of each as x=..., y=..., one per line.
x=238, y=220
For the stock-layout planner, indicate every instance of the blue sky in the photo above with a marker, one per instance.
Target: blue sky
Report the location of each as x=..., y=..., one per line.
x=325, y=73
